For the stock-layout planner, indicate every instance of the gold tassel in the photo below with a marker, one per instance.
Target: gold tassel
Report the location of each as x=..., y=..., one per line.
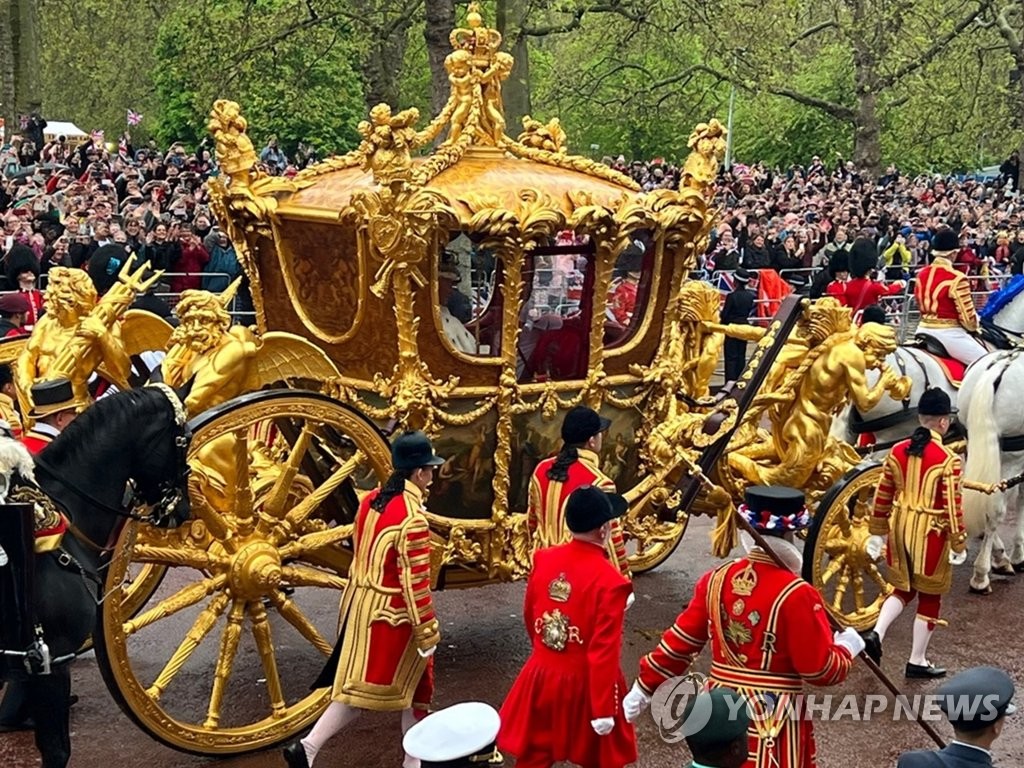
x=724, y=536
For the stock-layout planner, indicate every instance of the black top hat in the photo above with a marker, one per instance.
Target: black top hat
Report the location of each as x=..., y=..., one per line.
x=863, y=257
x=413, y=450
x=50, y=397
x=935, y=402
x=581, y=424
x=775, y=509
x=588, y=508
x=945, y=240
x=976, y=698
x=719, y=717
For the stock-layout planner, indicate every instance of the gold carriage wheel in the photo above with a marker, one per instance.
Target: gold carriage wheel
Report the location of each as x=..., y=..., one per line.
x=220, y=659
x=835, y=561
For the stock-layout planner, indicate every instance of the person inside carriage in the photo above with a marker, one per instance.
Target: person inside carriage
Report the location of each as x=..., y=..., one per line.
x=455, y=307
x=943, y=295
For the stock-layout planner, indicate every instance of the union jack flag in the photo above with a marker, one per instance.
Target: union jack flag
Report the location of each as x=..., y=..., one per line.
x=723, y=281
x=134, y=118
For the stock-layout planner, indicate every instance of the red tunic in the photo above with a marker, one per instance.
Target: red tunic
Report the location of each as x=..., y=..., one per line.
x=574, y=611
x=36, y=441
x=862, y=292
x=386, y=610
x=944, y=296
x=35, y=302
x=837, y=290
x=546, y=513
x=769, y=633
x=917, y=505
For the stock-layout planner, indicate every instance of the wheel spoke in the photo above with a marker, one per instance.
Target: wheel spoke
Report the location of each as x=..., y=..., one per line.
x=877, y=577
x=283, y=485
x=225, y=661
x=837, y=599
x=305, y=576
x=308, y=505
x=311, y=542
x=186, y=596
x=203, y=510
x=834, y=565
x=242, y=492
x=189, y=558
x=858, y=591
x=265, y=646
x=291, y=613
x=200, y=629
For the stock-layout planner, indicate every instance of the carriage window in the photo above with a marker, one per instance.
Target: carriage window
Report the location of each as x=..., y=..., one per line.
x=555, y=316
x=468, y=298
x=629, y=291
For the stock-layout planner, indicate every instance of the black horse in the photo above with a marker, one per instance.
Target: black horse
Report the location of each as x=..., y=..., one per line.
x=123, y=457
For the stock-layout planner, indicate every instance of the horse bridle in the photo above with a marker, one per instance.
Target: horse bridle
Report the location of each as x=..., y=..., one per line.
x=170, y=491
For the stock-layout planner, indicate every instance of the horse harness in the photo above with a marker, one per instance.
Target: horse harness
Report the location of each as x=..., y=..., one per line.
x=1008, y=443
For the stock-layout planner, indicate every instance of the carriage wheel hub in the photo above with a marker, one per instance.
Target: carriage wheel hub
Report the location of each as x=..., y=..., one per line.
x=255, y=570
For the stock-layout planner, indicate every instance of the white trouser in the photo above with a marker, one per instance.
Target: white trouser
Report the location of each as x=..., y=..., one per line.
x=958, y=343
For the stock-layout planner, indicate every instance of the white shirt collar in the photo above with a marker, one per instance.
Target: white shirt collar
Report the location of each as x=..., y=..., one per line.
x=972, y=746
x=45, y=429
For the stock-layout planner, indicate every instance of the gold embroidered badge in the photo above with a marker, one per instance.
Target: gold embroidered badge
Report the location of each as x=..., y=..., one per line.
x=743, y=583
x=737, y=608
x=560, y=589
x=554, y=630
x=737, y=633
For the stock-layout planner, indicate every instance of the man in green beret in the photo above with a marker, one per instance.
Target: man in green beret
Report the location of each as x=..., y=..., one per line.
x=719, y=720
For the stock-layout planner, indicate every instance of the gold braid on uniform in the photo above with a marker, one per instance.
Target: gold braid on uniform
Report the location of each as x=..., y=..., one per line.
x=45, y=513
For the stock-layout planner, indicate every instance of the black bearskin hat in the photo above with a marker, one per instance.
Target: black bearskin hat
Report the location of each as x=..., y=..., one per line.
x=20, y=259
x=840, y=262
x=863, y=257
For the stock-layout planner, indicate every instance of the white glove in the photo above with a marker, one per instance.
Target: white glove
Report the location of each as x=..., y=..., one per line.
x=630, y=600
x=636, y=701
x=874, y=546
x=427, y=653
x=603, y=725
x=957, y=558
x=850, y=640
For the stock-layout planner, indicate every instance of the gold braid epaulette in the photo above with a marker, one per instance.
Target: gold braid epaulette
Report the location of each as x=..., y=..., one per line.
x=46, y=514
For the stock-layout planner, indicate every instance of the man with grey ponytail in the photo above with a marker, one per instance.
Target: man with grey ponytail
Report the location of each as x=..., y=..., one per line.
x=917, y=508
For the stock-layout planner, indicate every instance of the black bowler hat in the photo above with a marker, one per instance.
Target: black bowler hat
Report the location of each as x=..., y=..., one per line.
x=50, y=397
x=581, y=424
x=741, y=276
x=588, y=508
x=976, y=698
x=945, y=240
x=935, y=402
x=413, y=450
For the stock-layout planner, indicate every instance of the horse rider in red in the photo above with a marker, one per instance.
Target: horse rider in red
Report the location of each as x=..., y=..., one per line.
x=54, y=407
x=383, y=659
x=862, y=291
x=769, y=634
x=566, y=703
x=576, y=464
x=943, y=295
x=917, y=506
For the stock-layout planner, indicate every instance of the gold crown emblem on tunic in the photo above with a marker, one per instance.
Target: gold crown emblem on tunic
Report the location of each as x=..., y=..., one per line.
x=743, y=583
x=560, y=589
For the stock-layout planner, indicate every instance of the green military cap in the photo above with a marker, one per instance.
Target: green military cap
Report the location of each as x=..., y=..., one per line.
x=976, y=697
x=715, y=718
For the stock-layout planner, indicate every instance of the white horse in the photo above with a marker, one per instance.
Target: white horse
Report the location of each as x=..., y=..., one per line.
x=995, y=448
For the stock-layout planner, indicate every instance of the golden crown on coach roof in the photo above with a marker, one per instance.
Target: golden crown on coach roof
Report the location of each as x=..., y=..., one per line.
x=479, y=41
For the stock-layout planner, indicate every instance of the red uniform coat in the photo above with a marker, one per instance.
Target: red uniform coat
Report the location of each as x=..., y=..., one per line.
x=386, y=610
x=944, y=296
x=917, y=504
x=35, y=303
x=837, y=290
x=862, y=292
x=546, y=512
x=623, y=302
x=36, y=441
x=574, y=611
x=769, y=633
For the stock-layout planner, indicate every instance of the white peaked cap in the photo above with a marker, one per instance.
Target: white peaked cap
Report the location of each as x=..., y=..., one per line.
x=452, y=733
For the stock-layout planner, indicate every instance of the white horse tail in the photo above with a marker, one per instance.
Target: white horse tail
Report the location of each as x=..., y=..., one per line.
x=983, y=459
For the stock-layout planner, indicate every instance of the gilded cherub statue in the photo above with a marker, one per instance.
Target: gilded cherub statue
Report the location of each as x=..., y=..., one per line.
x=388, y=141
x=811, y=390
x=465, y=91
x=707, y=146
x=493, y=117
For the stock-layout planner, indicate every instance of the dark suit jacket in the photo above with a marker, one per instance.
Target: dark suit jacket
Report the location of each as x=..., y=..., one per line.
x=950, y=756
